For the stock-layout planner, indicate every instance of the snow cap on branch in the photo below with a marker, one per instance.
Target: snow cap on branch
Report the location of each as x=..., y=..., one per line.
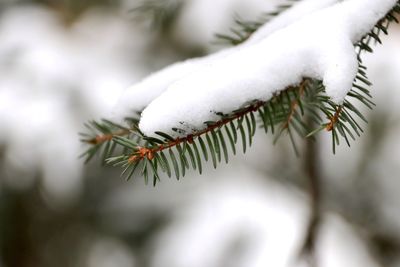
x=319, y=45
x=138, y=96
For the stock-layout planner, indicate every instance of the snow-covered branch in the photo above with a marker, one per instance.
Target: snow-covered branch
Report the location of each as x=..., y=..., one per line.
x=319, y=45
x=303, y=63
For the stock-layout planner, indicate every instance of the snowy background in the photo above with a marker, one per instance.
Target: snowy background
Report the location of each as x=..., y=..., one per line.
x=65, y=62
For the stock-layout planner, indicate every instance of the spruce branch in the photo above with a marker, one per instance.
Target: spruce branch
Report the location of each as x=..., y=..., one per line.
x=286, y=110
x=240, y=124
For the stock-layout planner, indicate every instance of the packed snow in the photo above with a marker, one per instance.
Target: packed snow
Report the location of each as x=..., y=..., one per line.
x=319, y=45
x=137, y=97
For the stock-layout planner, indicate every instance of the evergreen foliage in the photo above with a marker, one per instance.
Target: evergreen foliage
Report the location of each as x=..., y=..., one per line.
x=285, y=113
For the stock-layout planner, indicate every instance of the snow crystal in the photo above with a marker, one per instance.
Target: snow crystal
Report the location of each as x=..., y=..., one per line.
x=319, y=45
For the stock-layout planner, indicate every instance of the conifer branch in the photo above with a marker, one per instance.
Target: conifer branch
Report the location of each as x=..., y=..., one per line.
x=286, y=109
x=212, y=126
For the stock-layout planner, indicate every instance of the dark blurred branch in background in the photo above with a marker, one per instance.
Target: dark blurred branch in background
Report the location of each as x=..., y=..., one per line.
x=69, y=10
x=311, y=165
x=158, y=15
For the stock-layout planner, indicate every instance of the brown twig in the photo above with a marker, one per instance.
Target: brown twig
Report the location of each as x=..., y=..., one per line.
x=99, y=139
x=334, y=119
x=294, y=104
x=149, y=153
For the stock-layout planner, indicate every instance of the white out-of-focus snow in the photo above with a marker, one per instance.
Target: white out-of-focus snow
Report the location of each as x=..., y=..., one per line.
x=319, y=45
x=107, y=252
x=52, y=79
x=339, y=245
x=241, y=217
x=245, y=220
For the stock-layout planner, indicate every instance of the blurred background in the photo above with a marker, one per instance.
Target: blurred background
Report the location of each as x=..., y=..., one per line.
x=63, y=62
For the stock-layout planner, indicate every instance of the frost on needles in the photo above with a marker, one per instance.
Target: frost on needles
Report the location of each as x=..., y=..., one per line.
x=319, y=45
x=304, y=65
